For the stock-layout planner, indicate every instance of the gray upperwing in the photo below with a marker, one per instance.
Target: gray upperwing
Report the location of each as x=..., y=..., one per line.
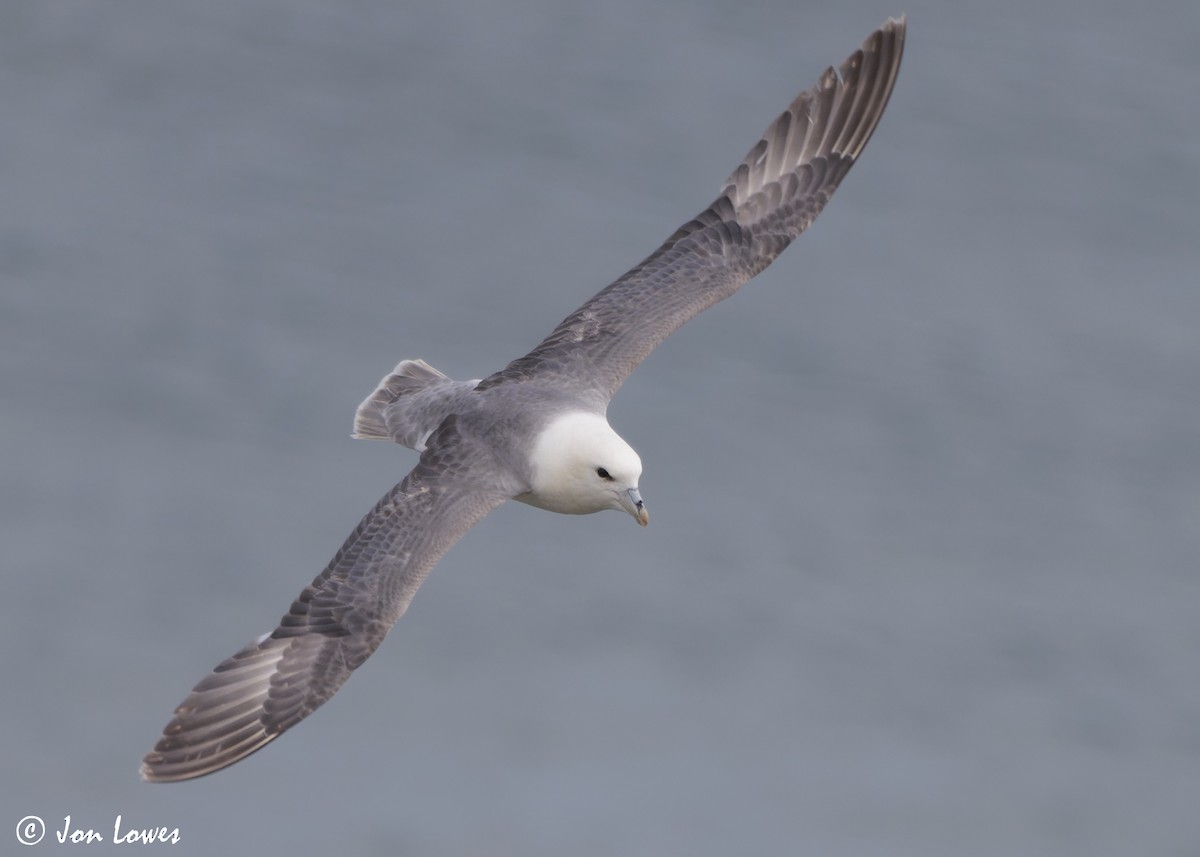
x=773, y=196
x=338, y=620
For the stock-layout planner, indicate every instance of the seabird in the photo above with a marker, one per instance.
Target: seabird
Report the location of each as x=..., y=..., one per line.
x=536, y=431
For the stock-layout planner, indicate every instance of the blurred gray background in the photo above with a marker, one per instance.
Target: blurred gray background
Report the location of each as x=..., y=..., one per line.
x=923, y=572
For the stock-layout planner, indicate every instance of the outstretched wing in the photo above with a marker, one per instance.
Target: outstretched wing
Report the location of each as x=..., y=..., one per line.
x=773, y=196
x=337, y=622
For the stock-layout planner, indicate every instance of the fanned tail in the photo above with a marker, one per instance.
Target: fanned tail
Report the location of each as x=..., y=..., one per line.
x=408, y=377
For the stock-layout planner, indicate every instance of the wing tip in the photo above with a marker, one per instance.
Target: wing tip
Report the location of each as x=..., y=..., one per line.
x=221, y=721
x=841, y=112
x=180, y=765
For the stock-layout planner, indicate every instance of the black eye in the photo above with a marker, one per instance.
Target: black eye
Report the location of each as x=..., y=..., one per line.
x=604, y=474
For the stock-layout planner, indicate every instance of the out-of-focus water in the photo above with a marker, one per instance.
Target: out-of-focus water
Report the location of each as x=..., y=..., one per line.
x=923, y=572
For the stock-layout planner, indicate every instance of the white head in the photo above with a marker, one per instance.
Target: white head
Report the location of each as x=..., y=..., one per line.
x=580, y=465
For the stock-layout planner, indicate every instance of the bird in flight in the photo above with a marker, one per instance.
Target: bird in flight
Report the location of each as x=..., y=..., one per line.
x=536, y=431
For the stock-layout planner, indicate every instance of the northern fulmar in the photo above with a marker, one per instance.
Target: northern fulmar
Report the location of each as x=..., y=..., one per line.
x=536, y=431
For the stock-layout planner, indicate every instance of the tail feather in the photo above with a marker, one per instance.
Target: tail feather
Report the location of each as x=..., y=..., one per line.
x=408, y=377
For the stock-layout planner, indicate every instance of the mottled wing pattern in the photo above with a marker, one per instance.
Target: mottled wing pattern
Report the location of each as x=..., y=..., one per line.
x=338, y=620
x=773, y=196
